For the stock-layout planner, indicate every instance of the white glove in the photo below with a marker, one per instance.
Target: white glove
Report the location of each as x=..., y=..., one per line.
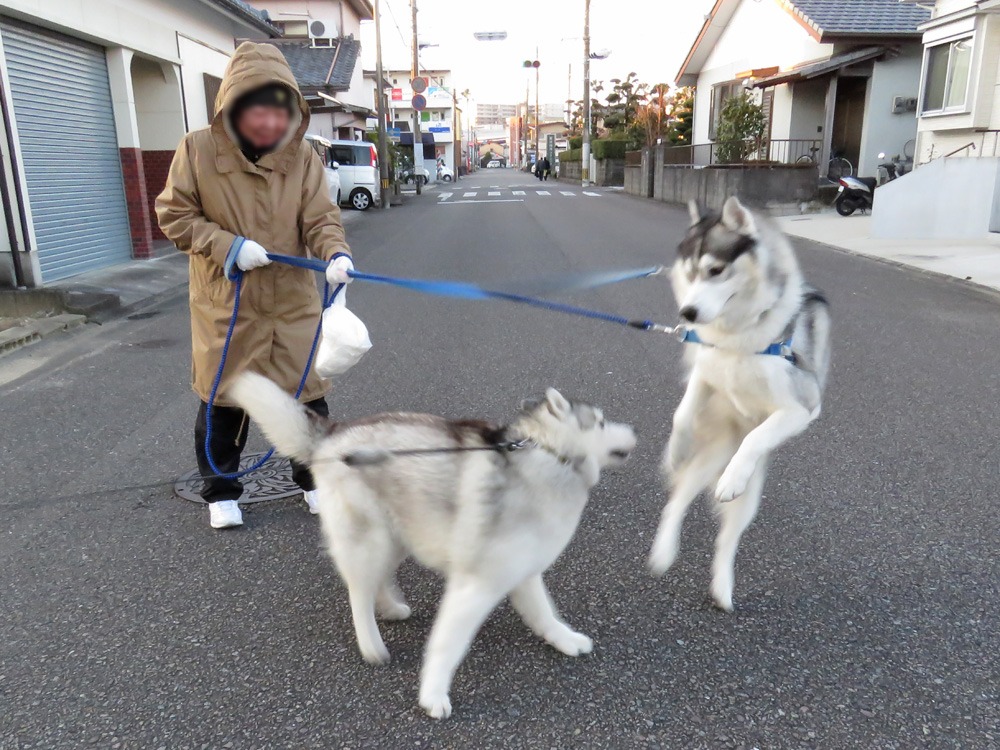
x=336, y=272
x=251, y=255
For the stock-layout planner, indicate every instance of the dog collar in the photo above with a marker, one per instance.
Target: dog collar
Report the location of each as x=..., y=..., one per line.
x=781, y=349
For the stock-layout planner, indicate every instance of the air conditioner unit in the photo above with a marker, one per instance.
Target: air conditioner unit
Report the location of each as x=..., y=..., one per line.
x=323, y=33
x=901, y=104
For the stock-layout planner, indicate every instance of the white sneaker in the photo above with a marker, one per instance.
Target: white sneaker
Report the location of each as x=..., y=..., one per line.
x=225, y=514
x=312, y=500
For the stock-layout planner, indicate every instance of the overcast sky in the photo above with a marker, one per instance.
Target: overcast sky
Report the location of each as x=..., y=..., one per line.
x=649, y=37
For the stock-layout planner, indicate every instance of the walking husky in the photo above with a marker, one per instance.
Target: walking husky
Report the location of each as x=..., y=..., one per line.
x=491, y=510
x=758, y=367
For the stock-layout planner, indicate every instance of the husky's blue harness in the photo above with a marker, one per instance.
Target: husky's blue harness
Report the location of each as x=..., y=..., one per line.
x=443, y=288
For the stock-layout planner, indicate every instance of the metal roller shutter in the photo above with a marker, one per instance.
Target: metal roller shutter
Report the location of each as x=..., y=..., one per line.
x=66, y=127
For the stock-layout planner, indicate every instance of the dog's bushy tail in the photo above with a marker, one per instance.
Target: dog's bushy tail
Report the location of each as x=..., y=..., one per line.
x=292, y=429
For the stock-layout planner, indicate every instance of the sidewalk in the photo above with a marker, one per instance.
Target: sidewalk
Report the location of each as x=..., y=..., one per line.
x=977, y=261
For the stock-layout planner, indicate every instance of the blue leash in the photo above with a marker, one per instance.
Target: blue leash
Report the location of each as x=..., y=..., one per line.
x=462, y=290
x=237, y=276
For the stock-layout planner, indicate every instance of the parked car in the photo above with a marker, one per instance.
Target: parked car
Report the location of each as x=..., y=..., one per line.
x=422, y=175
x=445, y=173
x=358, y=169
x=331, y=168
x=495, y=164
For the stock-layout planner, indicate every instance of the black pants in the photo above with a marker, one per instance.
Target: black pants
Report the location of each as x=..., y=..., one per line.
x=230, y=426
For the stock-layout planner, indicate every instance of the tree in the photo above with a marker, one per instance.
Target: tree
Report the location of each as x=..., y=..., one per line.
x=682, y=121
x=653, y=119
x=623, y=103
x=740, y=128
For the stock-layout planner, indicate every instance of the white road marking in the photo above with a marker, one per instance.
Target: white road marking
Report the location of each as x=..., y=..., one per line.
x=494, y=193
x=445, y=196
x=517, y=192
x=470, y=195
x=595, y=195
x=482, y=200
x=567, y=192
x=542, y=192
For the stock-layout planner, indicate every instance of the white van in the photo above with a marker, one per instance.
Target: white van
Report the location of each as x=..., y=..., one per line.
x=322, y=147
x=359, y=173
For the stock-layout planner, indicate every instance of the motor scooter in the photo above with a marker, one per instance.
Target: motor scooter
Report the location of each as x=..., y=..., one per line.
x=858, y=193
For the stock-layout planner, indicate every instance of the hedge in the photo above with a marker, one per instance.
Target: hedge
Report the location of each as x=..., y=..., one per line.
x=576, y=142
x=607, y=149
x=571, y=154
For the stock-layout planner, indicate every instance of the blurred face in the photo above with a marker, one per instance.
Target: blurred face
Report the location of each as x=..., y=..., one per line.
x=262, y=126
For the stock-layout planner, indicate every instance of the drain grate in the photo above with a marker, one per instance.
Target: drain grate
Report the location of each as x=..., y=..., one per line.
x=273, y=481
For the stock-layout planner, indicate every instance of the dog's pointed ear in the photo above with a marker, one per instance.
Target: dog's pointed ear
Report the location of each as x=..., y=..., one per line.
x=557, y=403
x=737, y=218
x=695, y=211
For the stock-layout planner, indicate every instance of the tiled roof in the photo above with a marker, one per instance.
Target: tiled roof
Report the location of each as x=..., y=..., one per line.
x=859, y=17
x=254, y=16
x=311, y=65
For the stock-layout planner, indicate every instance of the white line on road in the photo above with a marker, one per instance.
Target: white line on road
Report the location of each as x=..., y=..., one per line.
x=445, y=196
x=595, y=195
x=494, y=193
x=542, y=192
x=483, y=200
x=517, y=192
x=473, y=194
x=566, y=192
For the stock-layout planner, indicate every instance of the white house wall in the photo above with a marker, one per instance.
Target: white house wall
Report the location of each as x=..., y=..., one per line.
x=198, y=59
x=884, y=131
x=759, y=35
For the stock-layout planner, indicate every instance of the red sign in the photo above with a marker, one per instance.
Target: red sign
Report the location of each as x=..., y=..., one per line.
x=397, y=95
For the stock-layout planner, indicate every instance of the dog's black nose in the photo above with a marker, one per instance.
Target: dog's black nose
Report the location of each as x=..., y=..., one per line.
x=690, y=314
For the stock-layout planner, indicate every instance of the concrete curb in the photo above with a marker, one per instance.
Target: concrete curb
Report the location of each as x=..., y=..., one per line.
x=36, y=329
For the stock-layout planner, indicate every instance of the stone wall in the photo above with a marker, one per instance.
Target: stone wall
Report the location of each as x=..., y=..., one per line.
x=758, y=186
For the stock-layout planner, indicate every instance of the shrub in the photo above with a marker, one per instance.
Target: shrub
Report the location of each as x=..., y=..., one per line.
x=610, y=149
x=571, y=154
x=576, y=141
x=740, y=129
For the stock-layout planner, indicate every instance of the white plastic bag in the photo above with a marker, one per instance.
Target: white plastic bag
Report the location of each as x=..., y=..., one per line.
x=343, y=342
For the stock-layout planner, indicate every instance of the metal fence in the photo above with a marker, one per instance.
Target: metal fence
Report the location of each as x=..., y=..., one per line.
x=752, y=152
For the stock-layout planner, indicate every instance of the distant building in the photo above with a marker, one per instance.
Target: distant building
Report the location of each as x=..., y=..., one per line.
x=436, y=120
x=494, y=114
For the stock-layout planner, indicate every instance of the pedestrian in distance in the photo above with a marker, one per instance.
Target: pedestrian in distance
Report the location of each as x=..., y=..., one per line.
x=546, y=168
x=246, y=185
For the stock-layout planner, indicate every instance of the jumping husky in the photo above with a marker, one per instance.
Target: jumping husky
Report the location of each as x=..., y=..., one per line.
x=758, y=359
x=490, y=508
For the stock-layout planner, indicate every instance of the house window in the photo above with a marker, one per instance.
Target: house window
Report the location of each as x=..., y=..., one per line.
x=946, y=81
x=720, y=93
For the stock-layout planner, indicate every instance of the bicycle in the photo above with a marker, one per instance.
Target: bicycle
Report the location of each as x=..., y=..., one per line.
x=836, y=168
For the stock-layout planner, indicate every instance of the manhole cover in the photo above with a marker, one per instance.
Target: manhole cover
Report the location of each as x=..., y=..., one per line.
x=272, y=481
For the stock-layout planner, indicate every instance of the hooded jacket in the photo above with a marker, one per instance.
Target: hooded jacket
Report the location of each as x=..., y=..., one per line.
x=214, y=195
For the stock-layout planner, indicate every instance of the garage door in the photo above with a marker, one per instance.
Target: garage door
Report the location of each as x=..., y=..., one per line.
x=65, y=123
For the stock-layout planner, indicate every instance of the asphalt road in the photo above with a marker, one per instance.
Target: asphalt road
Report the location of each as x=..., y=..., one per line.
x=867, y=589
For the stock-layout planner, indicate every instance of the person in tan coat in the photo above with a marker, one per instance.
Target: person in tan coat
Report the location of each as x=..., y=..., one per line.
x=245, y=186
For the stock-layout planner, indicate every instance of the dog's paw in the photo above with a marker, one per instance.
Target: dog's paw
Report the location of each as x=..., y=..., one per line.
x=570, y=642
x=376, y=654
x=723, y=599
x=734, y=481
x=663, y=554
x=395, y=611
x=437, y=706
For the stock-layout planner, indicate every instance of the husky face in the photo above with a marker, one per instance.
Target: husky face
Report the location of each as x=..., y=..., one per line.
x=717, y=264
x=579, y=430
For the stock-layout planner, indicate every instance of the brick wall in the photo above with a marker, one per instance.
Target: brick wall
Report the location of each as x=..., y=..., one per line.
x=138, y=205
x=156, y=165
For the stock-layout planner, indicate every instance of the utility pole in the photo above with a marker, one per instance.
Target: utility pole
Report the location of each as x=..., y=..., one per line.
x=418, y=142
x=527, y=113
x=569, y=96
x=383, y=146
x=538, y=112
x=586, y=94
x=456, y=129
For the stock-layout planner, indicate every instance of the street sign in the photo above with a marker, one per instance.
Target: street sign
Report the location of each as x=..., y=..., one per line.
x=550, y=149
x=419, y=101
x=397, y=95
x=393, y=133
x=418, y=85
x=439, y=129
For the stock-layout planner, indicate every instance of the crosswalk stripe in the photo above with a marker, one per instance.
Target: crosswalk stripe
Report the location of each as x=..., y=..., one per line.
x=566, y=192
x=473, y=194
x=444, y=196
x=542, y=192
x=517, y=192
x=494, y=193
x=595, y=195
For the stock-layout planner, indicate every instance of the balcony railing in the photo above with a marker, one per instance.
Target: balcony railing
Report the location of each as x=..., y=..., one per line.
x=753, y=152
